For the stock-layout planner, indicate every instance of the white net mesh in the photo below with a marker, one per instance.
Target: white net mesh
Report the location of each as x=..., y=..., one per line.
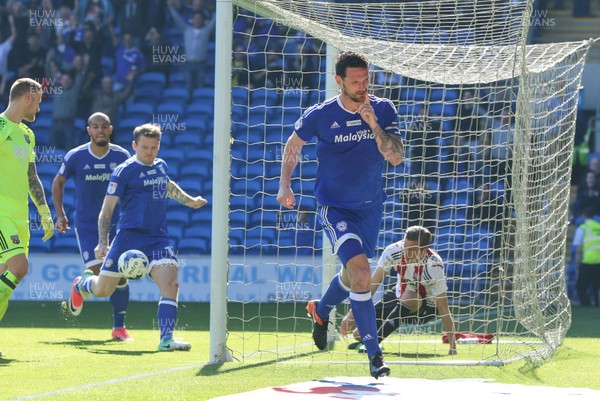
x=488, y=125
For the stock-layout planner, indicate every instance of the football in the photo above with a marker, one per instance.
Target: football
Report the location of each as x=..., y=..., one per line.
x=133, y=264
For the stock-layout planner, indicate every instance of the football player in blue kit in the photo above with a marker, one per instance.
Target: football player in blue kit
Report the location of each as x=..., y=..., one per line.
x=90, y=166
x=142, y=185
x=356, y=132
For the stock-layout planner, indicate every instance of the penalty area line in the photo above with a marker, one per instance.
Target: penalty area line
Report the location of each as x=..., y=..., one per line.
x=106, y=382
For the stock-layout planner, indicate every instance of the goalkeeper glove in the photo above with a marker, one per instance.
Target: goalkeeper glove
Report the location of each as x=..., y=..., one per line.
x=47, y=222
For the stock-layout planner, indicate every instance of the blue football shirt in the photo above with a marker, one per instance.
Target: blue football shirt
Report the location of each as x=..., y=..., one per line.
x=142, y=191
x=350, y=170
x=91, y=175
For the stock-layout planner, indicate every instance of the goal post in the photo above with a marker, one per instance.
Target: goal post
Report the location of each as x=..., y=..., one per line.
x=488, y=124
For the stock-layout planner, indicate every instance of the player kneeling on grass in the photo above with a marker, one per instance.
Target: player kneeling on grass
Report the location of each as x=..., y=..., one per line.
x=142, y=185
x=420, y=290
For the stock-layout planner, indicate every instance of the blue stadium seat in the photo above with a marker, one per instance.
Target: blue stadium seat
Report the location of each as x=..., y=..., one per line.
x=192, y=186
x=176, y=95
x=36, y=245
x=196, y=125
x=264, y=96
x=197, y=231
x=127, y=125
x=193, y=246
x=197, y=169
x=170, y=107
x=66, y=245
x=177, y=218
x=199, y=108
x=140, y=111
x=172, y=154
x=240, y=96
x=188, y=139
x=149, y=93
x=414, y=94
x=176, y=79
x=204, y=95
x=152, y=77
x=199, y=154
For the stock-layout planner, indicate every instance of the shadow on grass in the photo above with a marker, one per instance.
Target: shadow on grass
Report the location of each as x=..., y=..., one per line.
x=215, y=368
x=5, y=361
x=86, y=344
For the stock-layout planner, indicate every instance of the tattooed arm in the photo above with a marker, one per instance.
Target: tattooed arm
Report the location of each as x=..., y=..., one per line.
x=176, y=193
x=104, y=223
x=36, y=190
x=390, y=146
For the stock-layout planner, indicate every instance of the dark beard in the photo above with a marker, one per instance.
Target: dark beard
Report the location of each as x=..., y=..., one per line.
x=101, y=143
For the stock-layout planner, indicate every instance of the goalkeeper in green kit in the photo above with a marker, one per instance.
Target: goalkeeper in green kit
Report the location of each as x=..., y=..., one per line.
x=18, y=179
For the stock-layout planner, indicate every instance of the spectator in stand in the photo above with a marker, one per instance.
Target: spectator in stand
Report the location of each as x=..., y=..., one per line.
x=155, y=44
x=240, y=67
x=594, y=167
x=5, y=47
x=90, y=10
x=33, y=61
x=470, y=122
x=588, y=195
x=132, y=18
x=106, y=100
x=90, y=47
x=422, y=205
x=587, y=256
x=196, y=37
x=129, y=62
x=422, y=143
x=63, y=134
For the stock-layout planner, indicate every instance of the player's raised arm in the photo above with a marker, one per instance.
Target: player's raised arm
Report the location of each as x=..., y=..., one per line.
x=444, y=313
x=36, y=191
x=104, y=222
x=292, y=153
x=58, y=193
x=176, y=193
x=390, y=145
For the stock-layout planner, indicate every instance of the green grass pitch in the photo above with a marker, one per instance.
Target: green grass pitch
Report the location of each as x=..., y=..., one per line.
x=52, y=356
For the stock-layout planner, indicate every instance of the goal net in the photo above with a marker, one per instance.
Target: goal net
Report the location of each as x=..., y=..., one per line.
x=488, y=124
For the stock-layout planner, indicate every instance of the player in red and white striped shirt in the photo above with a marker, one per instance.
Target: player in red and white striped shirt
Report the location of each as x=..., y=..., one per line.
x=421, y=289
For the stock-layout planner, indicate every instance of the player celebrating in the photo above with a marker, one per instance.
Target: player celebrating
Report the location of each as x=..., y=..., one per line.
x=18, y=176
x=91, y=165
x=421, y=289
x=142, y=185
x=355, y=133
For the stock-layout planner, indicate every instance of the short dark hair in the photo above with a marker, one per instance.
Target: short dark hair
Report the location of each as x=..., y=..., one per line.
x=23, y=86
x=147, y=130
x=349, y=59
x=420, y=234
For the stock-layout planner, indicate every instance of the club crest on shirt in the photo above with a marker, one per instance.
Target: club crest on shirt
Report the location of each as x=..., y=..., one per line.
x=341, y=226
x=112, y=188
x=162, y=170
x=86, y=255
x=27, y=138
x=15, y=239
x=113, y=166
x=108, y=262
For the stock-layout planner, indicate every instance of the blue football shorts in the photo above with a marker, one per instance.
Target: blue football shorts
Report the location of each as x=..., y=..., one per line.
x=342, y=225
x=87, y=239
x=157, y=247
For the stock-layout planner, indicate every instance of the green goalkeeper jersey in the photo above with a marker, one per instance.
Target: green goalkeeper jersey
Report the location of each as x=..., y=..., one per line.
x=17, y=144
